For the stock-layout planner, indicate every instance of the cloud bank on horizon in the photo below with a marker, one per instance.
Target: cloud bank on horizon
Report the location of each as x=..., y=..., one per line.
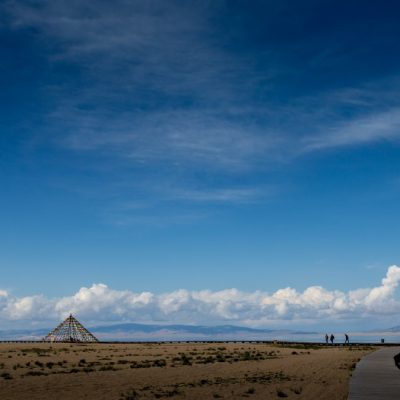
x=286, y=306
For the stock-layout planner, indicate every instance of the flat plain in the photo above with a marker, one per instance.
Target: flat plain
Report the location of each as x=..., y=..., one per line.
x=176, y=371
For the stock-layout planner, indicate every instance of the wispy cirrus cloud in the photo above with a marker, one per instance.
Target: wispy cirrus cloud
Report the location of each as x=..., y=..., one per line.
x=371, y=128
x=159, y=83
x=99, y=303
x=159, y=80
x=161, y=87
x=230, y=195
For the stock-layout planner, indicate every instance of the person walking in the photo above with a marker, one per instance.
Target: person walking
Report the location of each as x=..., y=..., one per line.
x=326, y=338
x=332, y=338
x=346, y=339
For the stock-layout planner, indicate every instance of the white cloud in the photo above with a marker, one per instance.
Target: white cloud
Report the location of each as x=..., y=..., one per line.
x=102, y=304
x=29, y=307
x=157, y=56
x=369, y=128
x=160, y=87
x=138, y=53
x=230, y=195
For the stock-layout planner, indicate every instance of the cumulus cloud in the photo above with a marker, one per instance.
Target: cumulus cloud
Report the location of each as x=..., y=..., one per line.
x=103, y=304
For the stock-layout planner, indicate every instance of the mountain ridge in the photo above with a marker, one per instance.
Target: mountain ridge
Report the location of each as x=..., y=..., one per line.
x=136, y=331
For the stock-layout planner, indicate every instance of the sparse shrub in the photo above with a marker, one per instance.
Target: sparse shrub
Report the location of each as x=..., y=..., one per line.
x=167, y=393
x=160, y=363
x=132, y=395
x=108, y=368
x=247, y=356
x=297, y=390
x=35, y=373
x=281, y=393
x=185, y=359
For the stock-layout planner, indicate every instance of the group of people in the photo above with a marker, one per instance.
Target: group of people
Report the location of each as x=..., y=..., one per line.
x=332, y=338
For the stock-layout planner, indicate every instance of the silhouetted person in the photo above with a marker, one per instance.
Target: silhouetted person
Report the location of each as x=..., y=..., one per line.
x=326, y=338
x=397, y=360
x=346, y=337
x=332, y=338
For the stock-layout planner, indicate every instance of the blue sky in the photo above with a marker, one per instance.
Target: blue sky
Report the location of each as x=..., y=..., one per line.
x=156, y=146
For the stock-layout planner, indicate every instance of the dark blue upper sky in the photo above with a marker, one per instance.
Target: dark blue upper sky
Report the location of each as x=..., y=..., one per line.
x=157, y=145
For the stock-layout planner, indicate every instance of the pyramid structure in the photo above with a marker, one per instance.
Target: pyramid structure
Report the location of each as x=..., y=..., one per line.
x=70, y=330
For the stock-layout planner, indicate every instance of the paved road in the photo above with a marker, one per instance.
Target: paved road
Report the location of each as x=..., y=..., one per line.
x=376, y=376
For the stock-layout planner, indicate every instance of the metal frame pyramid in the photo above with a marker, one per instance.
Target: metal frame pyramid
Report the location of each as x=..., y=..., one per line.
x=70, y=330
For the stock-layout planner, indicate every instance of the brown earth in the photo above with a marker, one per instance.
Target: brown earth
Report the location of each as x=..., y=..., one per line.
x=176, y=371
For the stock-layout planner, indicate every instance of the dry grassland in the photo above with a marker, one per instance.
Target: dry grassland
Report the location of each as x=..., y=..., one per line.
x=175, y=370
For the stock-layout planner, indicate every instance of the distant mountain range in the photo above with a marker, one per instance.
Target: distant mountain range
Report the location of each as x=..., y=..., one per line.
x=144, y=332
x=183, y=332
x=394, y=329
x=150, y=332
x=23, y=334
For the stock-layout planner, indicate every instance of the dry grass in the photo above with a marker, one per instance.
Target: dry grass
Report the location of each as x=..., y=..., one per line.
x=177, y=370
